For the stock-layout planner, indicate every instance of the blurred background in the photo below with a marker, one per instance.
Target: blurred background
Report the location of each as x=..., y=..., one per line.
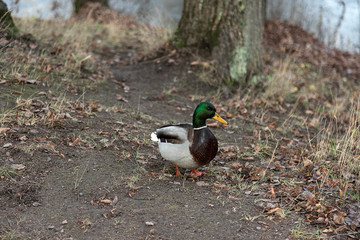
x=336, y=23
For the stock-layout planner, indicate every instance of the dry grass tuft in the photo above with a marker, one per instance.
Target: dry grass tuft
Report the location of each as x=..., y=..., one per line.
x=282, y=82
x=339, y=142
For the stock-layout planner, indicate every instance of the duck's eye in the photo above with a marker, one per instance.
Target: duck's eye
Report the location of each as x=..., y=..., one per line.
x=209, y=108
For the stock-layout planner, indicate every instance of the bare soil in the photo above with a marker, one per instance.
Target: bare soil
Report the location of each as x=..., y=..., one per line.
x=113, y=184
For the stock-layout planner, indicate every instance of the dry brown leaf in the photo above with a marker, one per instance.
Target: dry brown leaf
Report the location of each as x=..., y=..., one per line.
x=115, y=201
x=307, y=162
x=272, y=125
x=234, y=198
x=272, y=192
x=247, y=158
x=125, y=87
x=17, y=92
x=338, y=219
x=17, y=166
x=221, y=186
x=121, y=98
x=3, y=130
x=276, y=210
x=213, y=124
x=106, y=201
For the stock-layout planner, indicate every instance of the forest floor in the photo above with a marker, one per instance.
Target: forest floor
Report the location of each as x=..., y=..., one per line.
x=76, y=160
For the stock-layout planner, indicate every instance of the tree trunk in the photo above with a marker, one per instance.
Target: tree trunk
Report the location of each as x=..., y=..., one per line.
x=6, y=20
x=230, y=30
x=80, y=3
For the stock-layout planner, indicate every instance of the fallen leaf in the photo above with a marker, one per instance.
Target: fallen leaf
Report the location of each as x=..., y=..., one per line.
x=121, y=98
x=272, y=192
x=32, y=45
x=28, y=114
x=221, y=186
x=115, y=201
x=234, y=198
x=213, y=124
x=272, y=125
x=7, y=145
x=276, y=210
x=17, y=166
x=23, y=138
x=307, y=162
x=125, y=87
x=338, y=219
x=3, y=130
x=17, y=92
x=106, y=201
x=247, y=158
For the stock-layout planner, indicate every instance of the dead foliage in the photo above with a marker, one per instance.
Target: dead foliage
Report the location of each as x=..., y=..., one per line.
x=96, y=12
x=285, y=38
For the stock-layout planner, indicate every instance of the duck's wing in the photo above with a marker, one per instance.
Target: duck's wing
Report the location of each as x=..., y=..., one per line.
x=175, y=134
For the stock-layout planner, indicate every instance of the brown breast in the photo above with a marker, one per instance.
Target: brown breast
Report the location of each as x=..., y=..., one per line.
x=204, y=146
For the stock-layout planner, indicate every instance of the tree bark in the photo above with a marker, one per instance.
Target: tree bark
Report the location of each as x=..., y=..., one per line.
x=80, y=3
x=6, y=20
x=230, y=30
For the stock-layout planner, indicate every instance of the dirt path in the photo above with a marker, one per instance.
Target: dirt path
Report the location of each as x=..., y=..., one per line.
x=112, y=184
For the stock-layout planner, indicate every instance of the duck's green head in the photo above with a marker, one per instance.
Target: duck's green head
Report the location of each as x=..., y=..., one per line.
x=204, y=111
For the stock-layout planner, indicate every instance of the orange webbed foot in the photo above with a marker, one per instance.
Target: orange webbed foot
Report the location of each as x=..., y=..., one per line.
x=177, y=171
x=196, y=173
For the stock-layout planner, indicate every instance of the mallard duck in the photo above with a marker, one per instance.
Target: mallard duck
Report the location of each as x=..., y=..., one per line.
x=189, y=146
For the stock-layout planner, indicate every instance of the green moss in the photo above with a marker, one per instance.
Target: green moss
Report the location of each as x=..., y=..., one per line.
x=177, y=41
x=200, y=4
x=238, y=64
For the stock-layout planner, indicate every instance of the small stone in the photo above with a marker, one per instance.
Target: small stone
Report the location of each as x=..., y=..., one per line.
x=258, y=228
x=50, y=227
x=202, y=184
x=149, y=223
x=36, y=204
x=81, y=194
x=64, y=222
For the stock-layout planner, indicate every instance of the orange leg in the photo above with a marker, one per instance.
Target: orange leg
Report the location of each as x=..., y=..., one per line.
x=177, y=171
x=195, y=173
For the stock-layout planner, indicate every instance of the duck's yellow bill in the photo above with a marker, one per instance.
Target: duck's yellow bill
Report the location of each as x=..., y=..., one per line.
x=219, y=119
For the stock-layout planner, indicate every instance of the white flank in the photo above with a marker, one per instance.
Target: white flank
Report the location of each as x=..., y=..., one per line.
x=178, y=154
x=154, y=137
